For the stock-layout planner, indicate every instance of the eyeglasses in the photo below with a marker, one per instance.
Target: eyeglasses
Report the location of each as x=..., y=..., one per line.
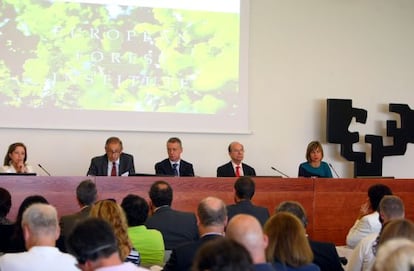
x=90, y=253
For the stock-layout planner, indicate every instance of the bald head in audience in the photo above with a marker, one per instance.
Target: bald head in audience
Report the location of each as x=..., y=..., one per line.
x=211, y=215
x=211, y=221
x=247, y=231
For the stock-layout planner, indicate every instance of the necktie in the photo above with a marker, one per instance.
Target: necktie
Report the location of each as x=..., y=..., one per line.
x=113, y=171
x=237, y=171
x=175, y=165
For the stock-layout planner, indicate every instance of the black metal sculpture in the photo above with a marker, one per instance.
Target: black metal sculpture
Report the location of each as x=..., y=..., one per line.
x=339, y=116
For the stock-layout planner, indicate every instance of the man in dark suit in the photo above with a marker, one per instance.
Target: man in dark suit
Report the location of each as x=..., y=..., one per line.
x=86, y=195
x=244, y=189
x=235, y=168
x=325, y=254
x=212, y=218
x=114, y=162
x=174, y=165
x=175, y=226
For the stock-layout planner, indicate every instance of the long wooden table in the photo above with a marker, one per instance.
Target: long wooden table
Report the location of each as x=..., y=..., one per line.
x=331, y=204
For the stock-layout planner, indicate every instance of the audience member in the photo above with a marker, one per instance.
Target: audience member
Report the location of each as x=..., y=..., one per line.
x=324, y=254
x=41, y=229
x=149, y=242
x=114, y=162
x=314, y=166
x=235, y=168
x=176, y=227
x=110, y=211
x=247, y=231
x=5, y=205
x=244, y=189
x=174, y=165
x=363, y=256
x=86, y=195
x=288, y=247
x=222, y=254
x=397, y=228
x=16, y=242
x=94, y=244
x=6, y=226
x=15, y=160
x=395, y=255
x=368, y=219
x=212, y=220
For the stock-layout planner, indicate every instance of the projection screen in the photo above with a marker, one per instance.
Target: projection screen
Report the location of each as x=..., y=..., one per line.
x=133, y=65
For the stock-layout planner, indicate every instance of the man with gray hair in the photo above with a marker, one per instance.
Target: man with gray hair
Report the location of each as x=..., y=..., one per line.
x=212, y=220
x=40, y=231
x=363, y=256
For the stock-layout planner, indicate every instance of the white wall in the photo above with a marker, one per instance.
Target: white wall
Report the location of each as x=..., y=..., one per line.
x=301, y=53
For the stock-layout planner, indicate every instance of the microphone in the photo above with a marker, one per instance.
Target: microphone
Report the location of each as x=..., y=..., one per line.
x=47, y=172
x=333, y=169
x=275, y=169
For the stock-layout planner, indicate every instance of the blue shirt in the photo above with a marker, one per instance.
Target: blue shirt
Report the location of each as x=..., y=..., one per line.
x=323, y=171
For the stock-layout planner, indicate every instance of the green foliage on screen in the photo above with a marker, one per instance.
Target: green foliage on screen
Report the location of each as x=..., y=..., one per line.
x=94, y=57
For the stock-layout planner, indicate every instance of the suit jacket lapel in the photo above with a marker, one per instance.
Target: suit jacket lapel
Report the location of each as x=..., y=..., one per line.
x=105, y=165
x=122, y=166
x=231, y=169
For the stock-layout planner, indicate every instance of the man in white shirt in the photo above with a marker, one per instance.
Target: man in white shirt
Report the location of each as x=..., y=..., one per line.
x=368, y=219
x=363, y=256
x=40, y=231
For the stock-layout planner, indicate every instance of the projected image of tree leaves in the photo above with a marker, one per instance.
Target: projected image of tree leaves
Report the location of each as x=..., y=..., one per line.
x=123, y=58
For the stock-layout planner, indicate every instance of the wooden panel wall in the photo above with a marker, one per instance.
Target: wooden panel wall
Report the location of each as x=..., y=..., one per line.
x=331, y=204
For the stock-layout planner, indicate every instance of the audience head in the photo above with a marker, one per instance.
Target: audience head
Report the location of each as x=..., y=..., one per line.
x=294, y=208
x=110, y=211
x=375, y=193
x=174, y=149
x=236, y=152
x=92, y=240
x=395, y=255
x=288, y=243
x=113, y=148
x=391, y=207
x=247, y=231
x=212, y=212
x=136, y=210
x=40, y=225
x=17, y=152
x=86, y=193
x=5, y=202
x=244, y=188
x=313, y=146
x=161, y=194
x=26, y=203
x=222, y=254
x=397, y=228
